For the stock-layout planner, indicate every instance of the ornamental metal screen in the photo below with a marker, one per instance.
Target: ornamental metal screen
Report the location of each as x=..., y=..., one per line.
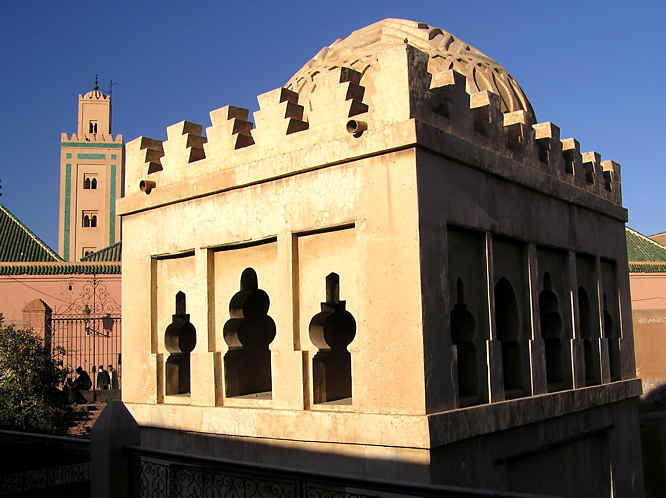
x=88, y=342
x=160, y=474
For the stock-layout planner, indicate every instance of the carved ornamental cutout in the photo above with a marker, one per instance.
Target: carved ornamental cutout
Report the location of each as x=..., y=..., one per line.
x=179, y=339
x=463, y=326
x=612, y=333
x=590, y=335
x=551, y=331
x=507, y=321
x=331, y=331
x=248, y=332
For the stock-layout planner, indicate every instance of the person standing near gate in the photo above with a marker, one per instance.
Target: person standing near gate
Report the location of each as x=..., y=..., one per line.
x=102, y=379
x=114, y=378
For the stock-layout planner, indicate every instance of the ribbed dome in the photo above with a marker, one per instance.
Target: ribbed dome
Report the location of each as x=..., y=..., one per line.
x=95, y=94
x=359, y=51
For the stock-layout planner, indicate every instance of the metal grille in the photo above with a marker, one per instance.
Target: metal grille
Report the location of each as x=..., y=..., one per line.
x=167, y=480
x=88, y=342
x=161, y=474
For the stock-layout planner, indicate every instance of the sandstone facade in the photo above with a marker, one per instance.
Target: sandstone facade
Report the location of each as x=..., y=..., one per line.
x=393, y=269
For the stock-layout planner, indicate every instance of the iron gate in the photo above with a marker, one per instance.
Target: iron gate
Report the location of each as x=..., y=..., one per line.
x=88, y=341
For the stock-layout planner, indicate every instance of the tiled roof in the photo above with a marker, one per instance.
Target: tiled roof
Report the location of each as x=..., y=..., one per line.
x=643, y=249
x=19, y=244
x=109, y=253
x=59, y=268
x=647, y=267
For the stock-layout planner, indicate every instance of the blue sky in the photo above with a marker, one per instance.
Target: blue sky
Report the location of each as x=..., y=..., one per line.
x=596, y=69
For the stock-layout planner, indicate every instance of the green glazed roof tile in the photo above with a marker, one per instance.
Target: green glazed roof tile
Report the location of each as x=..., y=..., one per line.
x=643, y=249
x=109, y=253
x=18, y=243
x=60, y=269
x=647, y=267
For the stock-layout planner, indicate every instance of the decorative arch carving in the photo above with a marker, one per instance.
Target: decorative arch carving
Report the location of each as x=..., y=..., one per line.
x=248, y=332
x=507, y=322
x=551, y=331
x=611, y=330
x=331, y=331
x=180, y=338
x=590, y=339
x=463, y=327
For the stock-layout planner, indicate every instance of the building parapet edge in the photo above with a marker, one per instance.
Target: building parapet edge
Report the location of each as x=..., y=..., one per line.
x=404, y=90
x=426, y=431
x=411, y=133
x=463, y=423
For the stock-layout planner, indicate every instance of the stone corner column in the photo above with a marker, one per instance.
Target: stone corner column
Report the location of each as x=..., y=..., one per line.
x=441, y=370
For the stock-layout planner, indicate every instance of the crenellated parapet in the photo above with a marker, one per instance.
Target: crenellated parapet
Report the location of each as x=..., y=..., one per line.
x=230, y=131
x=353, y=105
x=339, y=96
x=146, y=155
x=279, y=115
x=87, y=138
x=184, y=145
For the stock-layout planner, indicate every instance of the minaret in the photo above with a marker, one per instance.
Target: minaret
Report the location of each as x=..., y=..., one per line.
x=92, y=162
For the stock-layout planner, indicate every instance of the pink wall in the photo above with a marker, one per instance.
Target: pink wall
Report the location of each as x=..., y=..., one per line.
x=648, y=303
x=63, y=294
x=648, y=291
x=650, y=337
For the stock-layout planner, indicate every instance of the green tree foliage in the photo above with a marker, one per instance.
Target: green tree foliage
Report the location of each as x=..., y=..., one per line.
x=29, y=380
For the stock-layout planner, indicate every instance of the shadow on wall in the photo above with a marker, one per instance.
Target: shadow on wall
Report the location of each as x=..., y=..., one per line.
x=522, y=459
x=653, y=440
x=195, y=465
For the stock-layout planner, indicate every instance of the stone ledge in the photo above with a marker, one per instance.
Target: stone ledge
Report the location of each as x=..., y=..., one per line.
x=455, y=425
x=408, y=431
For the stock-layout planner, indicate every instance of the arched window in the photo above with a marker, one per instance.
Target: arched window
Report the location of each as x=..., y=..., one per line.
x=611, y=331
x=180, y=339
x=507, y=322
x=331, y=331
x=551, y=331
x=86, y=183
x=93, y=184
x=93, y=220
x=462, y=334
x=590, y=339
x=248, y=332
x=86, y=221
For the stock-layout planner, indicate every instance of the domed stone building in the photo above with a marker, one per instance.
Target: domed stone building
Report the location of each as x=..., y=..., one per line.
x=394, y=273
